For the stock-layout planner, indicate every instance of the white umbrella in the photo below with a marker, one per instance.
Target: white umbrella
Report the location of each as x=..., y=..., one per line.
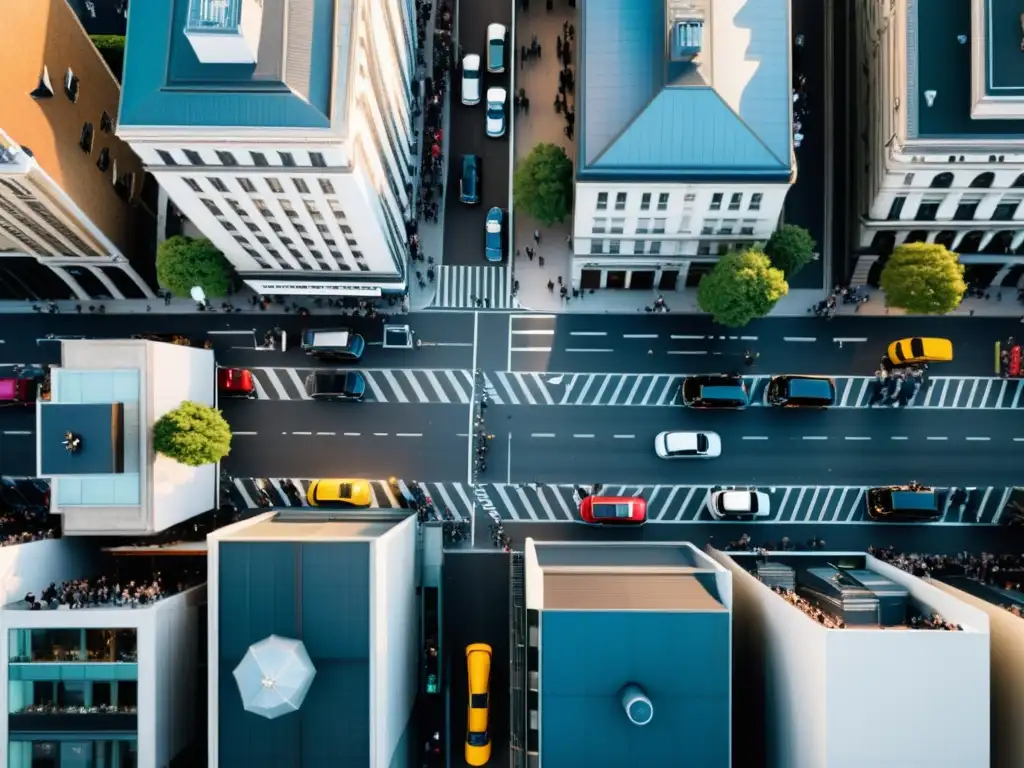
x=274, y=676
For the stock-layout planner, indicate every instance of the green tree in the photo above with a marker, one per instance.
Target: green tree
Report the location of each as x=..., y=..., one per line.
x=923, y=278
x=742, y=287
x=542, y=184
x=791, y=248
x=111, y=48
x=192, y=434
x=183, y=262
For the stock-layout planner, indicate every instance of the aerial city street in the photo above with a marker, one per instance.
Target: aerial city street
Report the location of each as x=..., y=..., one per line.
x=480, y=321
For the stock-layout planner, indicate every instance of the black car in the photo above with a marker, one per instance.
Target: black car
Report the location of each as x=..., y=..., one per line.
x=903, y=504
x=336, y=385
x=716, y=390
x=801, y=391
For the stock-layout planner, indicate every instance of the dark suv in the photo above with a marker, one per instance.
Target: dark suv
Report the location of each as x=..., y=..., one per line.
x=903, y=504
x=469, y=182
x=336, y=385
x=715, y=390
x=801, y=391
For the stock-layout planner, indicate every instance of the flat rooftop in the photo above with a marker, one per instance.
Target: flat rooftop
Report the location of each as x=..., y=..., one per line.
x=967, y=54
x=302, y=46
x=581, y=589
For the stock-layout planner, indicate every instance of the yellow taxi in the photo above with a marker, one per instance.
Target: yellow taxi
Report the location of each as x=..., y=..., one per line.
x=917, y=350
x=478, y=668
x=347, y=494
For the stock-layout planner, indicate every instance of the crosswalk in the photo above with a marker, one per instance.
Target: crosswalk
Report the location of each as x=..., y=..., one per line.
x=476, y=287
x=531, y=502
x=403, y=385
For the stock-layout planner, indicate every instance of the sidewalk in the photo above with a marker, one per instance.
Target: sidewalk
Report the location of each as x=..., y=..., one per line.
x=1002, y=304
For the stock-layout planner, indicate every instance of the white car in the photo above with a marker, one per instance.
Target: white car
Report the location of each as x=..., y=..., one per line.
x=495, y=47
x=688, y=445
x=496, y=112
x=471, y=79
x=739, y=503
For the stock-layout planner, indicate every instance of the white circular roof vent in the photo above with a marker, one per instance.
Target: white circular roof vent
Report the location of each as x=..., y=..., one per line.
x=638, y=707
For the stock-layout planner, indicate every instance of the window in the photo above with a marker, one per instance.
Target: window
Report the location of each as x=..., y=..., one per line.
x=104, y=159
x=643, y=226
x=727, y=227
x=597, y=246
x=620, y=201
x=709, y=228
x=107, y=123
x=194, y=157
x=259, y=159
x=166, y=157
x=275, y=186
x=746, y=229
x=357, y=255
x=326, y=187
x=317, y=160
x=735, y=201
x=211, y=206
x=260, y=205
x=908, y=179
x=228, y=226
x=287, y=159
x=363, y=266
x=614, y=246
x=645, y=202
x=689, y=197
x=43, y=90
x=704, y=249
x=253, y=226
x=71, y=85
x=323, y=228
x=346, y=229
x=663, y=201
x=716, y=201
x=602, y=201
x=659, y=226
x=300, y=185
x=226, y=158
x=655, y=248
x=618, y=226
x=263, y=239
x=599, y=226
x=85, y=139
x=298, y=227
x=219, y=185
x=246, y=184
x=192, y=184
x=755, y=201
x=638, y=247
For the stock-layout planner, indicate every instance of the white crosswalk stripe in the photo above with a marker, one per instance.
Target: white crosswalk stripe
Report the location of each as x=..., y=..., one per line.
x=405, y=385
x=469, y=287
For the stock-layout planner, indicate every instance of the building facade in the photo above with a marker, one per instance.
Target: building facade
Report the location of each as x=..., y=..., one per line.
x=283, y=131
x=940, y=147
x=69, y=188
x=686, y=142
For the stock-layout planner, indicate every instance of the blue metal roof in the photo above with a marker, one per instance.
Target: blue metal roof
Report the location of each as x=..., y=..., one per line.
x=643, y=114
x=165, y=84
x=680, y=659
x=320, y=594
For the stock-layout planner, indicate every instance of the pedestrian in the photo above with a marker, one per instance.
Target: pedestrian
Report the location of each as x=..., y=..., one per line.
x=536, y=236
x=551, y=287
x=560, y=282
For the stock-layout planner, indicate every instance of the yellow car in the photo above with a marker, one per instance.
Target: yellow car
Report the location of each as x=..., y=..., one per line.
x=910, y=351
x=348, y=494
x=478, y=668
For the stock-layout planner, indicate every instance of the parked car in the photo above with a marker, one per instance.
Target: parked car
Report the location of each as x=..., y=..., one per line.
x=469, y=181
x=903, y=504
x=336, y=385
x=344, y=494
x=496, y=98
x=714, y=391
x=496, y=47
x=471, y=79
x=794, y=391
x=741, y=503
x=478, y=673
x=493, y=248
x=920, y=350
x=236, y=382
x=614, y=510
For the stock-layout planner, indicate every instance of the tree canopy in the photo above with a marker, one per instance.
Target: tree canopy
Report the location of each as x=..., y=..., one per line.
x=743, y=286
x=192, y=434
x=790, y=248
x=183, y=262
x=923, y=278
x=542, y=184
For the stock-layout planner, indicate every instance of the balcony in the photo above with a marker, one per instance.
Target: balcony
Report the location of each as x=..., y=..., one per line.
x=74, y=719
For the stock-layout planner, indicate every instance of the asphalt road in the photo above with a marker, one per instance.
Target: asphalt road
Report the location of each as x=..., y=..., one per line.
x=18, y=441
x=325, y=439
x=464, y=224
x=475, y=609
x=849, y=538
x=764, y=447
x=806, y=201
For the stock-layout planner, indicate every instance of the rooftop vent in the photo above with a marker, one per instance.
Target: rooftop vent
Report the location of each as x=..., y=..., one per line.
x=638, y=707
x=224, y=31
x=687, y=39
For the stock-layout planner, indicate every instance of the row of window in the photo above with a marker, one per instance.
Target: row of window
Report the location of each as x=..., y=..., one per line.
x=43, y=242
x=258, y=159
x=646, y=198
x=44, y=90
x=645, y=201
x=644, y=226
x=966, y=208
x=247, y=185
x=736, y=201
x=945, y=179
x=656, y=247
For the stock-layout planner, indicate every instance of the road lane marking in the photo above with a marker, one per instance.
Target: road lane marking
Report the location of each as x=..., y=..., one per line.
x=862, y=393
x=525, y=390
x=845, y=340
x=970, y=397
x=529, y=349
x=650, y=390
x=408, y=434
x=542, y=434
x=380, y=434
x=453, y=344
x=754, y=437
x=535, y=333
x=624, y=437
x=839, y=504
x=938, y=438
x=1018, y=439
x=782, y=506
x=815, y=437
x=1002, y=504
x=633, y=391
x=857, y=438
x=395, y=387
x=639, y=335
x=27, y=432
x=978, y=439
x=959, y=389
x=604, y=386
x=683, y=337
x=668, y=393
x=583, y=436
x=800, y=338
x=667, y=503
x=353, y=434
x=542, y=386
x=302, y=433
x=945, y=389
x=320, y=434
x=1016, y=397
x=747, y=338
x=856, y=504
x=824, y=507
x=568, y=389
x=378, y=393
x=846, y=395
x=685, y=504
x=899, y=438
x=588, y=333
x=688, y=352
x=415, y=384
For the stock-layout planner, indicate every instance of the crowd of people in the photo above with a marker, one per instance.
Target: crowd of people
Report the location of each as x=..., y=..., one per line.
x=745, y=544
x=826, y=619
x=431, y=197
x=57, y=709
x=17, y=528
x=934, y=621
x=827, y=308
x=108, y=592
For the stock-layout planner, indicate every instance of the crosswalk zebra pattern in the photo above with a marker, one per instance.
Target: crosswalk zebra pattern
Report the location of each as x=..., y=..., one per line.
x=945, y=392
x=475, y=287
x=533, y=502
x=404, y=385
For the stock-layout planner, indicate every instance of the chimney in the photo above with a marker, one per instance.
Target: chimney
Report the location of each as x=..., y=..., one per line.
x=638, y=707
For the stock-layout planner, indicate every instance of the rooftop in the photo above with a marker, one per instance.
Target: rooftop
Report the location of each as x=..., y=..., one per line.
x=236, y=63
x=685, y=89
x=963, y=70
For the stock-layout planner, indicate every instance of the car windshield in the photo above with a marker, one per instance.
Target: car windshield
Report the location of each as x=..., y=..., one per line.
x=917, y=347
x=477, y=739
x=471, y=74
x=345, y=491
x=610, y=510
x=702, y=443
x=496, y=50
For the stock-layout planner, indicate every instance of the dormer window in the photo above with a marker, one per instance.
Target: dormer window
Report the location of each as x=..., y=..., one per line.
x=106, y=123
x=43, y=90
x=71, y=85
x=104, y=160
x=85, y=140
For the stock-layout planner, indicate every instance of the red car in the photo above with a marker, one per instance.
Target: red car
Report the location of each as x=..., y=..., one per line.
x=236, y=382
x=614, y=510
x=18, y=391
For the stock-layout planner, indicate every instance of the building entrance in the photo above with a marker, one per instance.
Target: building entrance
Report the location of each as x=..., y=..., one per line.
x=641, y=281
x=616, y=278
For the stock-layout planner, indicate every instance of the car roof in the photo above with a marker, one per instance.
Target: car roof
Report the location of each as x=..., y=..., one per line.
x=810, y=386
x=496, y=29
x=681, y=441
x=497, y=94
x=331, y=338
x=471, y=61
x=736, y=500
